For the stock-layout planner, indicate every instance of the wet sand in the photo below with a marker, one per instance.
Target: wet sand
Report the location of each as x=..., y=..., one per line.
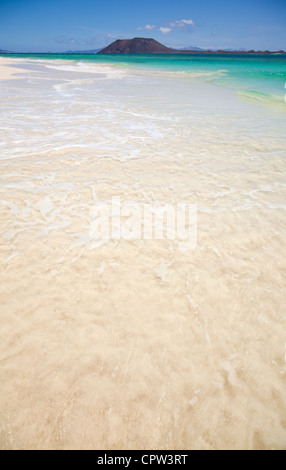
x=6, y=71
x=139, y=344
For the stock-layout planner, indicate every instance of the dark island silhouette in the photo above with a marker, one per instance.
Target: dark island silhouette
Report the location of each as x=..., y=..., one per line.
x=151, y=46
x=136, y=46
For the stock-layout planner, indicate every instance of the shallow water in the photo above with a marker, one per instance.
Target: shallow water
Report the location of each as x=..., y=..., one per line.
x=140, y=344
x=259, y=77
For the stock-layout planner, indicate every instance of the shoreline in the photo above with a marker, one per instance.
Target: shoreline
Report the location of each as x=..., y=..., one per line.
x=6, y=71
x=87, y=64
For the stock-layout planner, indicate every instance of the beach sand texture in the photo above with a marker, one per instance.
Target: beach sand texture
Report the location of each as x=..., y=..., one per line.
x=139, y=344
x=6, y=71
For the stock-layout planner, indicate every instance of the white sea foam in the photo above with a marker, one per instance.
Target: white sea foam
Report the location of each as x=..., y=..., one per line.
x=82, y=67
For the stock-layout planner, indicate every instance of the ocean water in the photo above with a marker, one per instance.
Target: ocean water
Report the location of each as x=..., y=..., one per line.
x=261, y=77
x=143, y=343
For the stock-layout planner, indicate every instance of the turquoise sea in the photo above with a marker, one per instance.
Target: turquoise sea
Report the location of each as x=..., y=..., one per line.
x=260, y=77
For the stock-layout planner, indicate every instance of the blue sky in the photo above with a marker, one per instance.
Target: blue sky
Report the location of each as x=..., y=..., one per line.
x=60, y=25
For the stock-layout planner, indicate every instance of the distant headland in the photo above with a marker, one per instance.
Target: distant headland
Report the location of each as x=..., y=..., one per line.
x=151, y=46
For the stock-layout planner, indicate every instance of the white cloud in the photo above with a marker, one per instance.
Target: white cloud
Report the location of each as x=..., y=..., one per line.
x=186, y=24
x=148, y=27
x=165, y=30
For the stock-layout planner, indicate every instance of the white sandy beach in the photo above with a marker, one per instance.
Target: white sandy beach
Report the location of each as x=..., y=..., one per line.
x=139, y=344
x=6, y=71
